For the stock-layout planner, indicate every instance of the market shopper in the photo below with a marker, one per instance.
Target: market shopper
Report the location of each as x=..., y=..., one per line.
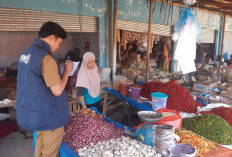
x=88, y=83
x=42, y=105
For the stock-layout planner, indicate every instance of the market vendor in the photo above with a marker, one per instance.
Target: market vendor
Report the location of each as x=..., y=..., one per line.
x=41, y=104
x=200, y=55
x=88, y=83
x=229, y=61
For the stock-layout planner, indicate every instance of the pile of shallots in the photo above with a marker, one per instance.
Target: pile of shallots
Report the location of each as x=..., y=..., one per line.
x=88, y=127
x=118, y=147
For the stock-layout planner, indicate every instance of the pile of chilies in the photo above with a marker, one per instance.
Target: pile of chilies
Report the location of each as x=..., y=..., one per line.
x=178, y=98
x=224, y=112
x=86, y=128
x=201, y=144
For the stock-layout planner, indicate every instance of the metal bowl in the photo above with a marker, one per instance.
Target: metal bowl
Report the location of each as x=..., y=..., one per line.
x=149, y=116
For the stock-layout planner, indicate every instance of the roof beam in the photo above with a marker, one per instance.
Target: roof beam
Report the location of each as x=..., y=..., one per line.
x=221, y=9
x=216, y=3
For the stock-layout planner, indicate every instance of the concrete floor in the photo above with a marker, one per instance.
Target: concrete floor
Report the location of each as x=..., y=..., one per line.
x=20, y=143
x=17, y=144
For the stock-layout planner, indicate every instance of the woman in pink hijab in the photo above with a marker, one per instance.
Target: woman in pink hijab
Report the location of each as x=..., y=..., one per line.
x=88, y=83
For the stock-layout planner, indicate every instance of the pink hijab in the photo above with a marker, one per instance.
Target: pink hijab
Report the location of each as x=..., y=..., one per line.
x=89, y=78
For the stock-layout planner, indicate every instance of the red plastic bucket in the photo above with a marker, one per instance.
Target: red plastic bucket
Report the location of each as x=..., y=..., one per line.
x=124, y=87
x=134, y=92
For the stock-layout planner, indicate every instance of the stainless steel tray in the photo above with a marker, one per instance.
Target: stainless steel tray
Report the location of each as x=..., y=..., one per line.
x=149, y=116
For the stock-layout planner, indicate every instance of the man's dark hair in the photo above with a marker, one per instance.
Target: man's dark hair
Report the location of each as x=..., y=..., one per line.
x=52, y=28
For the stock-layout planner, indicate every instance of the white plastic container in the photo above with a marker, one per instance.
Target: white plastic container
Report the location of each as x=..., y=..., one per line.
x=105, y=74
x=159, y=100
x=116, y=80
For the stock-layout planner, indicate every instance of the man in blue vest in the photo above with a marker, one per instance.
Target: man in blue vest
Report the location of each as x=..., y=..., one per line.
x=42, y=105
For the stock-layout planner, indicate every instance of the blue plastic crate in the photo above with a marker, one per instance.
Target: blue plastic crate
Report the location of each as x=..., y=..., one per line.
x=66, y=150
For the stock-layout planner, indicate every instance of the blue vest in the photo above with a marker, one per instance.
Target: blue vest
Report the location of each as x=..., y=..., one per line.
x=37, y=109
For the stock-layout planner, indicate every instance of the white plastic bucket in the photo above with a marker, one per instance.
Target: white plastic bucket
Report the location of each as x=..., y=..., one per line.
x=159, y=100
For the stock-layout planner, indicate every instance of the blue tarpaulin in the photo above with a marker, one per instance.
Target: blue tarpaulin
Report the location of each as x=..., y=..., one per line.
x=145, y=106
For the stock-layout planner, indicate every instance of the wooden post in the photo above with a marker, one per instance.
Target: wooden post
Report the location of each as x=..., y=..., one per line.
x=115, y=34
x=222, y=43
x=149, y=39
x=110, y=34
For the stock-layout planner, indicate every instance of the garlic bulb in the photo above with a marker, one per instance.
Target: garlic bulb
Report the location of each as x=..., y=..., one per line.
x=119, y=147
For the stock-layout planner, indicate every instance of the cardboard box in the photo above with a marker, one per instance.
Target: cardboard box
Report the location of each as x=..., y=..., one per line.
x=221, y=87
x=202, y=98
x=203, y=78
x=227, y=94
x=229, y=80
x=202, y=87
x=163, y=80
x=180, y=81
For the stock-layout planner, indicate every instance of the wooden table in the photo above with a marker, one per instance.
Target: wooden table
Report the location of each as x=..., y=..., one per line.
x=219, y=152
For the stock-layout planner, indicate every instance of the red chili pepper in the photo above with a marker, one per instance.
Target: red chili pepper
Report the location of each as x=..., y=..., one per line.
x=224, y=112
x=178, y=98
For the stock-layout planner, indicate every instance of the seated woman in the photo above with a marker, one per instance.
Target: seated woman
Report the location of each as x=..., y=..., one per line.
x=88, y=83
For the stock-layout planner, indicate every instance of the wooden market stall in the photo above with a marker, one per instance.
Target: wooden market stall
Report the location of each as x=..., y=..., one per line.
x=221, y=7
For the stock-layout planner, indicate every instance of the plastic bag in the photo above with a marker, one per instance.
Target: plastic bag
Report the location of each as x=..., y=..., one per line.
x=175, y=120
x=4, y=116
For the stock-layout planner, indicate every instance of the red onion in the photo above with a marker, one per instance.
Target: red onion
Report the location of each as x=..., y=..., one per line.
x=83, y=130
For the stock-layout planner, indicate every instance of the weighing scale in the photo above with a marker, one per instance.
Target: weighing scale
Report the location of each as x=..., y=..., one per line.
x=145, y=133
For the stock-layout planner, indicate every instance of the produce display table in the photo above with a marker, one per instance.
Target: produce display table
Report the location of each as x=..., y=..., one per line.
x=7, y=103
x=66, y=151
x=146, y=106
x=220, y=151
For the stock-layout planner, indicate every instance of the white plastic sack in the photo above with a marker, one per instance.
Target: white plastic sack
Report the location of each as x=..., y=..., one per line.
x=209, y=107
x=187, y=115
x=4, y=116
x=105, y=74
x=185, y=52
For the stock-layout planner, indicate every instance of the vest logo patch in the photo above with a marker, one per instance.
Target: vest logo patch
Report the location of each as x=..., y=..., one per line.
x=25, y=58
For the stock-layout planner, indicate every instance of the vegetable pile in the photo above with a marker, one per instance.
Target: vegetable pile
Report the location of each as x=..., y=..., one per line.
x=7, y=93
x=224, y=112
x=4, y=93
x=9, y=82
x=178, y=98
x=211, y=127
x=88, y=127
x=119, y=147
x=199, y=143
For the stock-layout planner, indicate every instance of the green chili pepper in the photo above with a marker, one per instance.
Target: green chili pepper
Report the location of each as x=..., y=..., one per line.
x=211, y=127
